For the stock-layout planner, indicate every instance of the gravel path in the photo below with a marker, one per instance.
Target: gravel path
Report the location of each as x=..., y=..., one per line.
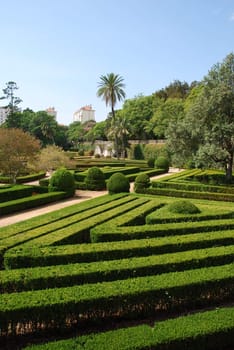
x=79, y=197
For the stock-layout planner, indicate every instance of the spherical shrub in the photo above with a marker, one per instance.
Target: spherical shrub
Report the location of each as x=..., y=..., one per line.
x=118, y=183
x=95, y=179
x=151, y=162
x=183, y=207
x=162, y=163
x=142, y=181
x=62, y=180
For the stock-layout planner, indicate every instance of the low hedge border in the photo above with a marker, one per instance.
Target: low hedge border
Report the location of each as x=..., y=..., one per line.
x=78, y=222
x=79, y=232
x=30, y=202
x=15, y=192
x=164, y=216
x=213, y=330
x=56, y=215
x=73, y=274
x=107, y=232
x=80, y=176
x=200, y=187
x=23, y=179
x=126, y=298
x=22, y=256
x=189, y=194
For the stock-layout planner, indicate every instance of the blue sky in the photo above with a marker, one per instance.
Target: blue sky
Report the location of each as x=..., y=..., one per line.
x=56, y=50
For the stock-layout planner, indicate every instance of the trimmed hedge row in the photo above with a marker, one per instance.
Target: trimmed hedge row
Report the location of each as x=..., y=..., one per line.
x=69, y=275
x=80, y=177
x=167, y=216
x=23, y=179
x=79, y=231
x=73, y=224
x=30, y=202
x=57, y=215
x=200, y=187
x=210, y=330
x=107, y=232
x=189, y=194
x=15, y=192
x=22, y=256
x=122, y=298
x=151, y=172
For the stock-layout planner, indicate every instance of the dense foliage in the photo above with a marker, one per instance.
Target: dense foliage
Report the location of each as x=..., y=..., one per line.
x=95, y=179
x=118, y=183
x=62, y=180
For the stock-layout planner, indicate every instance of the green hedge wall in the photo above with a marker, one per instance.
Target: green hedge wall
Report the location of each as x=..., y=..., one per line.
x=210, y=330
x=22, y=256
x=138, y=296
x=73, y=274
x=30, y=202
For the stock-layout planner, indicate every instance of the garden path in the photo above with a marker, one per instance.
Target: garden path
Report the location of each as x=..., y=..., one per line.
x=80, y=196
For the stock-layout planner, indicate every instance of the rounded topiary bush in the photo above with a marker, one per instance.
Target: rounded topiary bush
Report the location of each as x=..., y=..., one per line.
x=95, y=179
x=118, y=183
x=183, y=207
x=142, y=181
x=162, y=163
x=62, y=180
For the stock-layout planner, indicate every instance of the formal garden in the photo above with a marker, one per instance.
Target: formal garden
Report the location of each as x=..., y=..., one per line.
x=151, y=269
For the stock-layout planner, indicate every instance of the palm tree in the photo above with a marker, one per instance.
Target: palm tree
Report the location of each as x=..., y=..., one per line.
x=111, y=90
x=119, y=131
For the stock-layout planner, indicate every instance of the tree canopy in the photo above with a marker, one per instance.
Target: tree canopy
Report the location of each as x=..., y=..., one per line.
x=17, y=150
x=206, y=134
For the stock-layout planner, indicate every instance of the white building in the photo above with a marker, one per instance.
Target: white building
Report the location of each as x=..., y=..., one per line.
x=84, y=114
x=3, y=114
x=51, y=111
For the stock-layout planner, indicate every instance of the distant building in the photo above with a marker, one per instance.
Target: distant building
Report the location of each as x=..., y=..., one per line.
x=84, y=114
x=51, y=111
x=3, y=114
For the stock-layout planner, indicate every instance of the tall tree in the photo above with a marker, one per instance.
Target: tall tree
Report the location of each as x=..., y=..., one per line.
x=13, y=117
x=17, y=149
x=119, y=128
x=43, y=126
x=111, y=90
x=9, y=94
x=210, y=120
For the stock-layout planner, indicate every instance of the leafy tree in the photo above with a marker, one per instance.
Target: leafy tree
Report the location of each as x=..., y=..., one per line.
x=43, y=126
x=118, y=129
x=98, y=132
x=51, y=158
x=176, y=89
x=17, y=150
x=139, y=111
x=168, y=112
x=206, y=133
x=75, y=134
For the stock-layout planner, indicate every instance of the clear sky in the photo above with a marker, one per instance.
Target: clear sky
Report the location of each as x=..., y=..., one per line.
x=56, y=50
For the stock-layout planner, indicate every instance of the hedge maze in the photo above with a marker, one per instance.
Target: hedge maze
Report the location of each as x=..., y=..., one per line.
x=120, y=272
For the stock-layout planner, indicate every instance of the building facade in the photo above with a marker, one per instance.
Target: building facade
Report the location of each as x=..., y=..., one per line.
x=51, y=111
x=3, y=114
x=84, y=114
